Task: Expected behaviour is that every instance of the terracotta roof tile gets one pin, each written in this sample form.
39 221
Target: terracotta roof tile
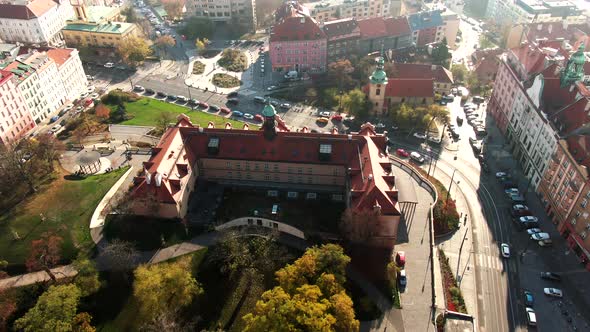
33 9
418 87
297 28
60 55
384 27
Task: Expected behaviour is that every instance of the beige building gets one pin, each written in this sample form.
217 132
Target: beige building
323 11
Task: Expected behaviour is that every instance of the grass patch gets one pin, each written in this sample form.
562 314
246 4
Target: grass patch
225 81
198 68
67 206
233 60
145 112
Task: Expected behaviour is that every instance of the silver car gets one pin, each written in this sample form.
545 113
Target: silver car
540 236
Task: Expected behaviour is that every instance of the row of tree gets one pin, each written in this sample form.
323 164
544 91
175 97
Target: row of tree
406 116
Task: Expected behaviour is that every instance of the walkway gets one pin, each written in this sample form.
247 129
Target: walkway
36 277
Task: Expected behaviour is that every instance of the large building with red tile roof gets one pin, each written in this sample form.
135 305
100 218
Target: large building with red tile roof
15 120
34 21
353 168
71 71
297 42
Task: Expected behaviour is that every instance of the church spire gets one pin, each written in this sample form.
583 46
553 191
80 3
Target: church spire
574 69
379 76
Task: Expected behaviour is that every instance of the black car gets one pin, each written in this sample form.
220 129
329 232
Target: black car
232 94
233 101
161 94
550 276
149 91
172 97
213 108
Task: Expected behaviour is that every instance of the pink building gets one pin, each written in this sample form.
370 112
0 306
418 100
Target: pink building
15 120
297 42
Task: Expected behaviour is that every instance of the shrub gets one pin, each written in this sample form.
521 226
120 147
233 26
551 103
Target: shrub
233 60
225 81
198 68
119 97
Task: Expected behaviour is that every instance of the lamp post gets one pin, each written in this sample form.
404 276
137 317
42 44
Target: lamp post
451 186
190 98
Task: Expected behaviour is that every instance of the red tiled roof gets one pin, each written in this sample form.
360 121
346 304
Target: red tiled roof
363 153
341 27
379 27
297 28
579 148
35 8
60 55
417 87
4 76
422 71
530 57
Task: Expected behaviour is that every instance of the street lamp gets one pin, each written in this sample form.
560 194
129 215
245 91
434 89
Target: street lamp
451 186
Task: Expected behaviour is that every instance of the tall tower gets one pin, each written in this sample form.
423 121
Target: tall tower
79 10
377 87
574 69
269 125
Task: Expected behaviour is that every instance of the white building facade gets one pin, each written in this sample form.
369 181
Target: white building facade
538 11
71 71
15 120
241 12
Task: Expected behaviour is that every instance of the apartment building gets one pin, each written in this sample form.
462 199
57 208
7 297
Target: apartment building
71 72
241 12
34 21
507 12
15 120
323 11
427 27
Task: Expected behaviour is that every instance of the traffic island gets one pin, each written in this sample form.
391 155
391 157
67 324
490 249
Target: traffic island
233 60
198 68
445 215
453 296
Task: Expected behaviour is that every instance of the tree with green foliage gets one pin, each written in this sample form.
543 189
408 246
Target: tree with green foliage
441 54
310 296
133 50
55 310
329 98
164 120
201 44
87 278
339 72
460 73
164 288
130 15
162 43
355 103
197 27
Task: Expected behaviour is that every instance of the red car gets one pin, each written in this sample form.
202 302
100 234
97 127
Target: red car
258 117
88 102
337 117
204 105
225 110
402 153
400 259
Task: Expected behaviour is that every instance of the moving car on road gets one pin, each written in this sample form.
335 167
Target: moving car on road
533 231
529 300
505 250
540 236
550 276
531 317
109 65
553 292
400 259
417 157
402 153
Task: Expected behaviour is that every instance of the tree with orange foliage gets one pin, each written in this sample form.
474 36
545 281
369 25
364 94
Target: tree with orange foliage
45 253
102 111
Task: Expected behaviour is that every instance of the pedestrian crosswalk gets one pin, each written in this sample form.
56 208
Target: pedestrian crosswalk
490 262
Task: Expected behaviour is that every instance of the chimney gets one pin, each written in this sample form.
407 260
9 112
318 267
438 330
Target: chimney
433 67
550 28
564 24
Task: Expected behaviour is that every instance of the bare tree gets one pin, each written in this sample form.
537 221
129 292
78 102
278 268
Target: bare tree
119 257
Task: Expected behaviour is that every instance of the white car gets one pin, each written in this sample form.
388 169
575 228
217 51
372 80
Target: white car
434 139
540 236
90 89
285 105
109 65
248 116
505 250
94 95
533 231
272 87
84 95
553 292
500 175
529 219
69 107
419 135
325 114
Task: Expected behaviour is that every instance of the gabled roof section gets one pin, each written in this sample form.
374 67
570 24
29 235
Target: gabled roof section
412 87
345 26
295 28
421 71
33 9
379 27
60 55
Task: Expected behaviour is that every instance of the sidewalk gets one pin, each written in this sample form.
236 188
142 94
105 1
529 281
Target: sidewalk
35 277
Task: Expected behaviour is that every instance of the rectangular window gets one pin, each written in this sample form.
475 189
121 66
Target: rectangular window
311 196
272 193
584 203
292 194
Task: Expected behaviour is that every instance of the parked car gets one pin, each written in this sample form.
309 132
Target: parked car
526 219
512 191
259 99
540 236
417 157
529 300
550 276
248 116
337 117
225 110
214 108
553 292
182 99
325 114
238 114
322 120
402 153
233 101
546 243
149 91
193 102
258 118
232 94
204 105
402 278
138 88
434 139
419 135
400 259
285 106
161 94
519 210
533 231
272 87
531 317
109 65
505 250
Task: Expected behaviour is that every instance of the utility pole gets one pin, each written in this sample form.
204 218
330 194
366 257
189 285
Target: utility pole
190 98
461 250
450 186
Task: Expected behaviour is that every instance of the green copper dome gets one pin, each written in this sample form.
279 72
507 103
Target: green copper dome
579 58
269 110
574 69
379 76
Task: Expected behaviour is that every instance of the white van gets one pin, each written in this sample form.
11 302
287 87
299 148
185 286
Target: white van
417 157
531 317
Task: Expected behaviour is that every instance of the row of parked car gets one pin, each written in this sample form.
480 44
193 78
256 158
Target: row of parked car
474 120
526 221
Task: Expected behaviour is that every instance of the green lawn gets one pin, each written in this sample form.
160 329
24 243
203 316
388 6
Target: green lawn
67 205
146 110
